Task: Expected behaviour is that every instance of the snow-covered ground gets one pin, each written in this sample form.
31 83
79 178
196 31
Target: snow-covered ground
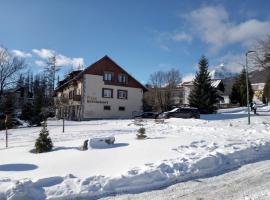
249 182
177 150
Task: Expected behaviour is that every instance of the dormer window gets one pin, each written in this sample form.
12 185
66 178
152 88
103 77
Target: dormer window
108 76
122 78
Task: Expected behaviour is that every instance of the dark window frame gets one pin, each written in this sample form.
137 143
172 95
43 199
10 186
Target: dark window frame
106 72
106 107
103 89
121 108
121 81
118 92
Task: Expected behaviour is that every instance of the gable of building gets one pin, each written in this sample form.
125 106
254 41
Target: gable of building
106 64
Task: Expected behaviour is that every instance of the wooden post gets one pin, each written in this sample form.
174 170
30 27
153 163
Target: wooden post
63 124
6 121
64 114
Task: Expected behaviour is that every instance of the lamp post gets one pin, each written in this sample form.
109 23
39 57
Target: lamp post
248 106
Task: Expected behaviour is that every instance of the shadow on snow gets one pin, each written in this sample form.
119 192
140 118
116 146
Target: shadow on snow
18 167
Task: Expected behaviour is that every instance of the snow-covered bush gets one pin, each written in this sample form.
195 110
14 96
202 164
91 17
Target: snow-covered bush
101 142
43 142
141 133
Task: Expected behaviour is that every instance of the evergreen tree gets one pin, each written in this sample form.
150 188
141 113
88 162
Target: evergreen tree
8 109
27 112
234 96
266 89
239 90
43 142
203 95
38 102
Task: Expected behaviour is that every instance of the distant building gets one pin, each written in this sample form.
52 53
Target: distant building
102 90
258 91
21 96
181 93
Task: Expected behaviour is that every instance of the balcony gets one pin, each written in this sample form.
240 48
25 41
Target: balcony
77 98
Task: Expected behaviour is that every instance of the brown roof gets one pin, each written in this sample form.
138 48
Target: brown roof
106 64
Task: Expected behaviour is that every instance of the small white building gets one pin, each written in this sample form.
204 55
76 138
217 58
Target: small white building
101 91
180 94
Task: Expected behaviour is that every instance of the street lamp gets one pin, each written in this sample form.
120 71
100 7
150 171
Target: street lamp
248 106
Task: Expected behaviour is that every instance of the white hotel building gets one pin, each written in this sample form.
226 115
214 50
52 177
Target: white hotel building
101 91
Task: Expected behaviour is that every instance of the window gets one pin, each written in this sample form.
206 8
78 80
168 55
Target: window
70 94
122 108
108 76
107 107
122 94
121 78
107 93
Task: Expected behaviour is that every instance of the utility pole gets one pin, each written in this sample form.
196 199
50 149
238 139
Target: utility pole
248 105
6 121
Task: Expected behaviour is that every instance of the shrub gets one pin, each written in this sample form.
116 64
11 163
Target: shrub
27 112
44 142
141 133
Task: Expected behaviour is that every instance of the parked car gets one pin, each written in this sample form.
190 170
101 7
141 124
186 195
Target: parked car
148 115
19 123
182 112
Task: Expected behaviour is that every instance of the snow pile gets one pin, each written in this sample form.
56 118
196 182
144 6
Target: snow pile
177 150
135 180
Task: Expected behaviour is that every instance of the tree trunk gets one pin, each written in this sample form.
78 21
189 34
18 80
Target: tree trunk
63 124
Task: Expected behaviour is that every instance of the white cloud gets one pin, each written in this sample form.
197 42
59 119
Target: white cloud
44 53
164 47
213 26
188 77
166 38
40 63
248 31
61 60
21 54
181 36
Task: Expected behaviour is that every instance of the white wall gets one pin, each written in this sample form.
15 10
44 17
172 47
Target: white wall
93 85
187 91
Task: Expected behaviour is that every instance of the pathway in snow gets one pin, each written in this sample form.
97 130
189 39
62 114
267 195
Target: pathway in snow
248 182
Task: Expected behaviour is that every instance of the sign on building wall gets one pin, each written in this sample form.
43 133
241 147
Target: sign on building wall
91 99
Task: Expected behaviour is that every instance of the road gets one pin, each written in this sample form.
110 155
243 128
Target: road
249 182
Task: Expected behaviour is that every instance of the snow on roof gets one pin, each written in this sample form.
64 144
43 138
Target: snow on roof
215 83
173 110
257 86
187 83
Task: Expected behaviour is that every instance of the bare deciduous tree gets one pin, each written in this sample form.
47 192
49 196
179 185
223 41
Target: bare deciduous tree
261 57
50 70
163 84
10 67
61 103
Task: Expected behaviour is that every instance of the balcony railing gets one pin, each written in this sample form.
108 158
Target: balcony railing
77 98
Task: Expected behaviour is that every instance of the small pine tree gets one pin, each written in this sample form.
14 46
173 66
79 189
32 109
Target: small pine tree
141 133
203 95
239 90
43 142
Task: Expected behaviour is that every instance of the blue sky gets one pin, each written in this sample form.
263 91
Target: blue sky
141 36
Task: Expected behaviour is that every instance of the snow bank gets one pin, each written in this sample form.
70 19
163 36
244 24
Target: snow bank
135 180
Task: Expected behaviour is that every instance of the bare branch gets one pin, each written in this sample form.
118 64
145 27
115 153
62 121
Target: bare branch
10 67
